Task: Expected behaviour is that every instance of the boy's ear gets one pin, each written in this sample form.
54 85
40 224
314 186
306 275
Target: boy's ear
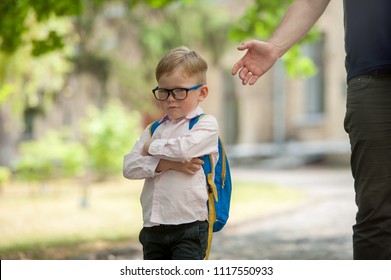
204 93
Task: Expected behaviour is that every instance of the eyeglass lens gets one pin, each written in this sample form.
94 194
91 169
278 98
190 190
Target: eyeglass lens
177 93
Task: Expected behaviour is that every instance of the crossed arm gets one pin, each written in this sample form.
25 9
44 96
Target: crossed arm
150 156
189 167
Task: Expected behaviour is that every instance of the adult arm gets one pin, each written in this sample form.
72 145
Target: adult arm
261 56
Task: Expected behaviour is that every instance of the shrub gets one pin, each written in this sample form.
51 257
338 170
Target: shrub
53 156
5 176
109 134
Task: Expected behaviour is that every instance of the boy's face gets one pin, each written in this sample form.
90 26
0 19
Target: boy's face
177 109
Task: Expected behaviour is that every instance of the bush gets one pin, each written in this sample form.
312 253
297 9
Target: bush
51 157
5 176
108 135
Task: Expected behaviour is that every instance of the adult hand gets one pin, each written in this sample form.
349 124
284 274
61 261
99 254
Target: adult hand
259 58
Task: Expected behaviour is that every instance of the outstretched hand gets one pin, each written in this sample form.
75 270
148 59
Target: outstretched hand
259 58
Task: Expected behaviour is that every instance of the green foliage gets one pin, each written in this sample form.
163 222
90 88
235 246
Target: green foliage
5 175
14 22
260 20
53 41
31 82
154 3
108 135
5 91
297 65
51 157
15 14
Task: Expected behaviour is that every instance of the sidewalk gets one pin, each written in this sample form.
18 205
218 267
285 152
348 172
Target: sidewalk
320 228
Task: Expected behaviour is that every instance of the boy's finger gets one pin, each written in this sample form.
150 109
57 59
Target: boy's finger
197 161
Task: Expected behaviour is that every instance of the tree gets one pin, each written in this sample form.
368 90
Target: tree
14 23
15 15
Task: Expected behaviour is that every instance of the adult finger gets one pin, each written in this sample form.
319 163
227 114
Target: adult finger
243 73
238 65
245 76
243 46
253 79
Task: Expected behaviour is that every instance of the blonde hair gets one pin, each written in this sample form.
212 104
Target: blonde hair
189 62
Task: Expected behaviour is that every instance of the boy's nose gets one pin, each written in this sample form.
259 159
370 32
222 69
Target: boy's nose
171 97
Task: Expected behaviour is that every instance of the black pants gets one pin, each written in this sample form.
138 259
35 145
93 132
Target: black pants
368 122
175 242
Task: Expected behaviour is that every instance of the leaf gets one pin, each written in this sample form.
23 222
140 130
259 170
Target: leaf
52 42
5 92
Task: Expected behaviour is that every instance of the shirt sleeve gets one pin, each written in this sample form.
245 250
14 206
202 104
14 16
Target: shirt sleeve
201 140
139 166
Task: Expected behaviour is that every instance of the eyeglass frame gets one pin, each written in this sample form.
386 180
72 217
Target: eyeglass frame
171 92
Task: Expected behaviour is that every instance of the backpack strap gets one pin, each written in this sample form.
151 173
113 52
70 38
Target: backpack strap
194 120
212 196
212 189
153 126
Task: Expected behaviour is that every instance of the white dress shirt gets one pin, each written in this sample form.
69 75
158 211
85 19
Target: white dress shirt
173 197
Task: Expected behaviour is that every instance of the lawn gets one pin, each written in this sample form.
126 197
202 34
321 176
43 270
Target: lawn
65 218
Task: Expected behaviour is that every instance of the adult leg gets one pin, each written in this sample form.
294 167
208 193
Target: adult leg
368 122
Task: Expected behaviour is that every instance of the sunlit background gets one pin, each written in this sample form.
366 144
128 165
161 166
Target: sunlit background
75 94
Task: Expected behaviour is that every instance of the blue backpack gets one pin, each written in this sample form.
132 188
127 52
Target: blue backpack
219 186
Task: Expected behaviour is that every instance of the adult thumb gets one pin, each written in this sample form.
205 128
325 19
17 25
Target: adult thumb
243 46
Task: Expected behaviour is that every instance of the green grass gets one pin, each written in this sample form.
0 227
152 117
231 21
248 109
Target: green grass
49 223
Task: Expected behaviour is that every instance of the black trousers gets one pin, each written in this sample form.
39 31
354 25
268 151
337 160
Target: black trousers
175 242
368 123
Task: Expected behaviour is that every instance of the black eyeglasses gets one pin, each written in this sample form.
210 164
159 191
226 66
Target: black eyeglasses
162 94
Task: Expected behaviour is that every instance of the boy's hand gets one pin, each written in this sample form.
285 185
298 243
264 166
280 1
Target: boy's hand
189 168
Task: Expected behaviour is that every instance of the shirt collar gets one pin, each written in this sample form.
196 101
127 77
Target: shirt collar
197 111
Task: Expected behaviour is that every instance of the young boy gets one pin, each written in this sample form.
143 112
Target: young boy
174 196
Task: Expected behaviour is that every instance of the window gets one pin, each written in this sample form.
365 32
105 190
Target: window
314 88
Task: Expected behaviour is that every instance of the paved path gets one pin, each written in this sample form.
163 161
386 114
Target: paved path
318 228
